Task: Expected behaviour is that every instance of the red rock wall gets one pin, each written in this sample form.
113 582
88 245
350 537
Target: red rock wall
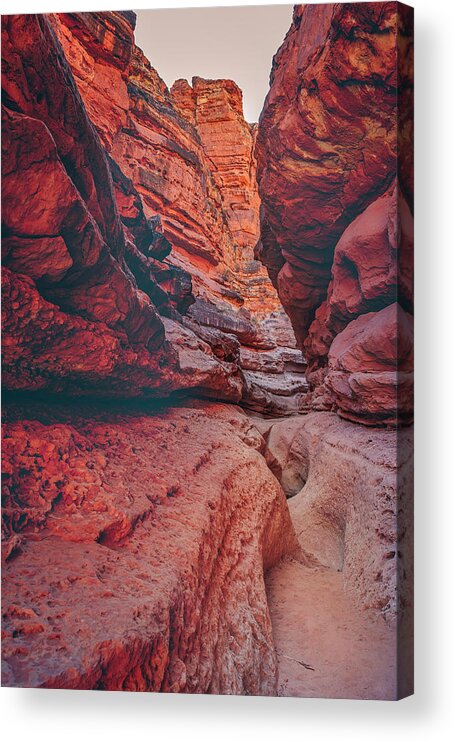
122 533
185 157
215 109
81 289
335 180
228 142
188 152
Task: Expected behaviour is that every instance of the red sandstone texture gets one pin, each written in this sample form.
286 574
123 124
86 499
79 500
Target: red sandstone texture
126 570
348 516
81 304
131 214
67 193
189 153
336 224
185 159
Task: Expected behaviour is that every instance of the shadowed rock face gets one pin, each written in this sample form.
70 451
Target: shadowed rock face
335 181
83 280
57 186
370 376
371 269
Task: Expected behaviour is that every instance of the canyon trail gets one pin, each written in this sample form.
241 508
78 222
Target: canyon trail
208 363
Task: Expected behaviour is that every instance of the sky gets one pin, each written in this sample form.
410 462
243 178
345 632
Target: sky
237 43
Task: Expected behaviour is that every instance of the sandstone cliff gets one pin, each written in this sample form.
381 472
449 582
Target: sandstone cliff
189 153
132 232
74 316
185 157
335 181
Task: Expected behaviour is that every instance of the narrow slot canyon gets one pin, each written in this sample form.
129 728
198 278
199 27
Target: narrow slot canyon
207 364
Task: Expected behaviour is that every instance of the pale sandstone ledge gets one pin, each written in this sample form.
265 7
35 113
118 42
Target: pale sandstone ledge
351 502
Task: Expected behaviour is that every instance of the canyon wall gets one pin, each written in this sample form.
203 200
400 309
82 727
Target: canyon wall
113 227
156 243
189 155
335 172
188 151
335 180
133 230
76 318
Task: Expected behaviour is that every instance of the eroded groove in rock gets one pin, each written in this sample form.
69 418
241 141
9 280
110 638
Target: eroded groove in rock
174 547
133 281
343 605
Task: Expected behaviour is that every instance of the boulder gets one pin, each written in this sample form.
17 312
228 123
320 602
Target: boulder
370 377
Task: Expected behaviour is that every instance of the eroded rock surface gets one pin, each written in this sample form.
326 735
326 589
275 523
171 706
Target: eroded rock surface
86 277
100 513
188 152
352 508
184 157
335 181
370 377
67 194
130 218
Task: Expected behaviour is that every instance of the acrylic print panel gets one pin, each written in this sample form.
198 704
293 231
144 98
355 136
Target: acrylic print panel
207 350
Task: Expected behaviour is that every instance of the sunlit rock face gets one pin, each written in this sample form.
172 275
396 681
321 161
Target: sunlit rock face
185 157
188 152
336 190
215 108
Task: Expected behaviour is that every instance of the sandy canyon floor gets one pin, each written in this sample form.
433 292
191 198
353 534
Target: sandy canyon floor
326 646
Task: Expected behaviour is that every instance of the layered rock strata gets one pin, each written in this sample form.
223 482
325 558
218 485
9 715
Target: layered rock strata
186 158
188 151
75 318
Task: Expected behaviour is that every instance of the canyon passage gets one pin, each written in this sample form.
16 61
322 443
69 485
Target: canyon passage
207 363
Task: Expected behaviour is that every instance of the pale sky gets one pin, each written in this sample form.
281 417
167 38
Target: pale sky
237 43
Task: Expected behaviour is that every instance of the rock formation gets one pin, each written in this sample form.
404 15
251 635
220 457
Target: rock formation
335 182
135 305
94 305
185 157
334 151
95 519
345 485
188 151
